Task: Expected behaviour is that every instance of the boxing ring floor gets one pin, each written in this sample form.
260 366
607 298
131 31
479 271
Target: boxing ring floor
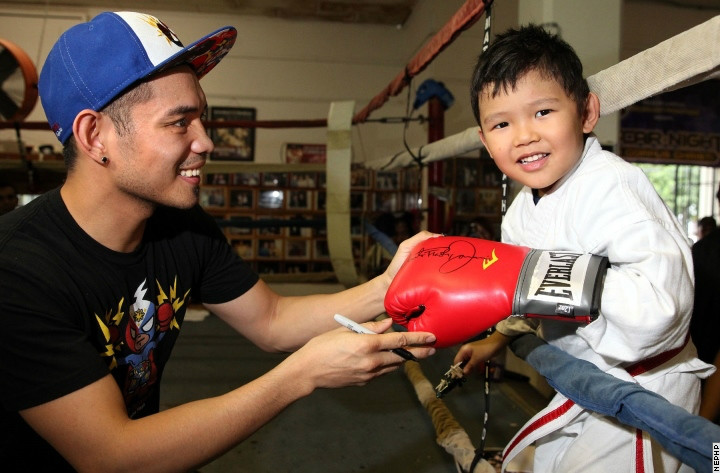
377 428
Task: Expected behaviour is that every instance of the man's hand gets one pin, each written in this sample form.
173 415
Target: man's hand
404 250
344 358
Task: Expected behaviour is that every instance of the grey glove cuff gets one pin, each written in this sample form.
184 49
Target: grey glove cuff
560 284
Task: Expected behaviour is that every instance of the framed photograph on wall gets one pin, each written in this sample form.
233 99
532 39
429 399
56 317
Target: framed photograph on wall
296 268
357 201
320 200
320 250
357 248
304 153
356 226
213 197
233 143
303 179
269 225
387 180
216 179
411 200
296 227
268 267
386 202
270 248
245 179
238 225
466 172
359 178
300 200
297 249
241 198
274 179
245 248
489 201
465 201
270 199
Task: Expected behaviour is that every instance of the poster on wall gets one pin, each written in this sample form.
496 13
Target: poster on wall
233 143
677 127
294 153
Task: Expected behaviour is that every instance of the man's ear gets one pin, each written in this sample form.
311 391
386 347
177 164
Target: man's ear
87 132
591 113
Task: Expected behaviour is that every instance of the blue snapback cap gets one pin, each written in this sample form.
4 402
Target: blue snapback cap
94 62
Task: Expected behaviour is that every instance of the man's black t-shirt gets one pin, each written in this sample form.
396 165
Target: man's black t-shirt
73 311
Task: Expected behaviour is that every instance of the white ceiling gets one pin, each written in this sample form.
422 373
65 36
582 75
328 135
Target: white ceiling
391 12
388 12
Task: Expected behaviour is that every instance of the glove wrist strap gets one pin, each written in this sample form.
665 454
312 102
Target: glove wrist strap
560 285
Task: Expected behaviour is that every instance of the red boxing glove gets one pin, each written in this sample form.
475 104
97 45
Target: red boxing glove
458 287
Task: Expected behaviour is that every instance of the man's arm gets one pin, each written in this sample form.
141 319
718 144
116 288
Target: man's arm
277 323
88 426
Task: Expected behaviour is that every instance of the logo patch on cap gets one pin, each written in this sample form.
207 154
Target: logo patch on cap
164 30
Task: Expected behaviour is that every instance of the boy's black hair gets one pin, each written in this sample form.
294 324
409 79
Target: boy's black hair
530 48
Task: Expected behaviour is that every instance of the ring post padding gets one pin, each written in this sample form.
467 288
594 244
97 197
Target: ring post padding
339 157
30 80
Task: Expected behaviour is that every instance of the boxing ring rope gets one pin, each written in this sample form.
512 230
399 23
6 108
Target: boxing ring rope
688 58
450 434
466 16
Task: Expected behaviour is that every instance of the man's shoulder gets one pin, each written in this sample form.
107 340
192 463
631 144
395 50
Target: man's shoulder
37 220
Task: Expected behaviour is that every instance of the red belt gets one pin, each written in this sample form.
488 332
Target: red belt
653 362
634 370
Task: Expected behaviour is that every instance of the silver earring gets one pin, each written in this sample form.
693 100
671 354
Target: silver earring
104 159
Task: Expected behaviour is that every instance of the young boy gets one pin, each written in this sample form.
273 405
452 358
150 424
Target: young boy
536 115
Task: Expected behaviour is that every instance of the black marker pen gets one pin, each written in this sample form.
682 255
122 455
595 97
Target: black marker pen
357 328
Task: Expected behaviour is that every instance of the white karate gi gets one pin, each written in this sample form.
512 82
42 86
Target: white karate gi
606 206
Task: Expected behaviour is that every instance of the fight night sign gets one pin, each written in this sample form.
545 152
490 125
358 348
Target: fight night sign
677 127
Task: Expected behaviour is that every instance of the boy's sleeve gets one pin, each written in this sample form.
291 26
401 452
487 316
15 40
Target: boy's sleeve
648 295
516 326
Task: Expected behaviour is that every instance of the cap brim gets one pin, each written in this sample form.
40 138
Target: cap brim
204 54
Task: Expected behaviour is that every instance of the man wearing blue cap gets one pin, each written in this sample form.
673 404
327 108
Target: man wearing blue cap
96 276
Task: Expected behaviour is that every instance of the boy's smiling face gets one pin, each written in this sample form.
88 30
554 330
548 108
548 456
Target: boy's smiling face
534 132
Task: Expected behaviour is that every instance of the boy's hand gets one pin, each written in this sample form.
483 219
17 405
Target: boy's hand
475 354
